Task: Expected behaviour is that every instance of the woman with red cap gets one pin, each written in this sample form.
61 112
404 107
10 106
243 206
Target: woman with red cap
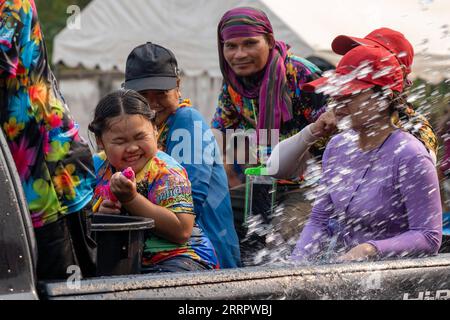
379 182
396 43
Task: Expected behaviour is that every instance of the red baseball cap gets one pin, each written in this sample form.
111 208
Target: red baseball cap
359 69
392 40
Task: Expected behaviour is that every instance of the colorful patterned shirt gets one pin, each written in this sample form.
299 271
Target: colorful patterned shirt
54 163
165 183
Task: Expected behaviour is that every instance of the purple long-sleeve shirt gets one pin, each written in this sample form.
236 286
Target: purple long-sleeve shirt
397 207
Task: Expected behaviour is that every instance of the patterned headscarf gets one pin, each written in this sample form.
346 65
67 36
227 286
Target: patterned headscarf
274 102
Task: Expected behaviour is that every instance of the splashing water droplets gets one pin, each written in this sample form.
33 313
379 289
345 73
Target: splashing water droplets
382 73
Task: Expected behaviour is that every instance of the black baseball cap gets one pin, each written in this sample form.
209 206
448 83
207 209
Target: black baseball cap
151 67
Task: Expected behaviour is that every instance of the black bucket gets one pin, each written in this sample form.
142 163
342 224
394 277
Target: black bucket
120 242
445 246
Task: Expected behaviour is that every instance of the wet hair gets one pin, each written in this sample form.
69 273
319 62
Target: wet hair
120 102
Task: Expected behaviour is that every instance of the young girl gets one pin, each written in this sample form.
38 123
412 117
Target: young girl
124 129
152 70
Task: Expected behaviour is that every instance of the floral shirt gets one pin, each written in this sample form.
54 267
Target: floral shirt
54 163
165 183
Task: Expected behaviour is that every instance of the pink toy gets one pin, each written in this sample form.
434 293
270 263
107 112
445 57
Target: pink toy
128 173
106 193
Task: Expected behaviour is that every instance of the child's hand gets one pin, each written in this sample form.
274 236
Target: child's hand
124 189
110 207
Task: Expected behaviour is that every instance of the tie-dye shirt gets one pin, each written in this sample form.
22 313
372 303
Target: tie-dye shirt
54 163
165 183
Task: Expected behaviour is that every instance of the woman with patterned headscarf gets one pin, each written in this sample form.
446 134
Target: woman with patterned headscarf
261 90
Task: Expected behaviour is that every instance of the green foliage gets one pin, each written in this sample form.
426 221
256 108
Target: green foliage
53 17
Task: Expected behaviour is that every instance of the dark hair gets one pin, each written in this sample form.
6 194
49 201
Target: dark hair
322 64
118 103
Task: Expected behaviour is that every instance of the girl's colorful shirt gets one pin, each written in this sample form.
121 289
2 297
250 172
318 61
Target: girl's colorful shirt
165 183
54 163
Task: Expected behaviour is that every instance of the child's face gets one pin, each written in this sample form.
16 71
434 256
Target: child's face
130 141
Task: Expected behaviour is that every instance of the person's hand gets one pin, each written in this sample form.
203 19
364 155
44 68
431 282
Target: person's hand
325 125
110 207
362 252
123 188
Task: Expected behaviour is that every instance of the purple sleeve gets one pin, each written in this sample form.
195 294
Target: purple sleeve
314 236
419 186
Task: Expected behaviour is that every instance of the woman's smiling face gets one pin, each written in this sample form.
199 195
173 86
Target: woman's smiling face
129 141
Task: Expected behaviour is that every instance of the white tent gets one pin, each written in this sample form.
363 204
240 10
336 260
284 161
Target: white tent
110 29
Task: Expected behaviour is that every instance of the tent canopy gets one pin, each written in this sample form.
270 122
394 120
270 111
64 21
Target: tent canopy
110 29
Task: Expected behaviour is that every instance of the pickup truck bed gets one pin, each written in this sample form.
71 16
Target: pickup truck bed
426 278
